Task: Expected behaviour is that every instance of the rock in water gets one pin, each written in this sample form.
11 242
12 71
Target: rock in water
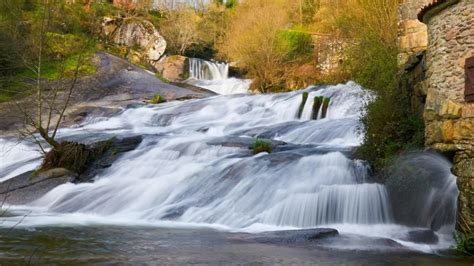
173 68
422 236
295 236
138 35
30 186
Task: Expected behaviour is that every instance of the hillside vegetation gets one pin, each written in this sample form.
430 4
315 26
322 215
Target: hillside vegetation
280 44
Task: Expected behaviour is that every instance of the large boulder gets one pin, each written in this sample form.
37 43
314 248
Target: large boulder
173 68
138 35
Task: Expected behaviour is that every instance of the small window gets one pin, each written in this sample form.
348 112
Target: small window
469 90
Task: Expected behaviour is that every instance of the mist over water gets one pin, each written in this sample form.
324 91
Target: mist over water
194 167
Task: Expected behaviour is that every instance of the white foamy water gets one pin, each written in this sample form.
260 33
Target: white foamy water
214 76
194 167
17 158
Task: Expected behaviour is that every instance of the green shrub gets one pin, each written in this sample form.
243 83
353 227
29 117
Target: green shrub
157 98
390 124
63 45
317 102
463 243
261 146
231 4
294 43
389 127
326 102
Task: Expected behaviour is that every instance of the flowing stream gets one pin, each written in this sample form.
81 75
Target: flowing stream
214 76
194 167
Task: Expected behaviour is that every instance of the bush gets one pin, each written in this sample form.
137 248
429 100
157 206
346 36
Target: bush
180 29
157 98
272 56
464 243
294 43
61 46
389 125
261 146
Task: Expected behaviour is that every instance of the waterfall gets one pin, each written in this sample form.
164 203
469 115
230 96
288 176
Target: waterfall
214 76
194 166
206 70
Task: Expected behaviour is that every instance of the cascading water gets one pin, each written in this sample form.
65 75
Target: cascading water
214 76
195 166
201 69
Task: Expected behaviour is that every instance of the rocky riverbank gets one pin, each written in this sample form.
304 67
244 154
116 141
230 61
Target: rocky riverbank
116 84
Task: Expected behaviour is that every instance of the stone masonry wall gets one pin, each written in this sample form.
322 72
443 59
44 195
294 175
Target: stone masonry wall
412 34
449 119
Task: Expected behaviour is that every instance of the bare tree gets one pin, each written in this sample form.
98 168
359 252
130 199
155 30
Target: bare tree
52 98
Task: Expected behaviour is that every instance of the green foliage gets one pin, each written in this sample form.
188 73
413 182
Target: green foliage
304 96
157 98
69 37
317 102
390 124
294 43
261 146
231 3
63 45
390 127
307 9
463 243
326 102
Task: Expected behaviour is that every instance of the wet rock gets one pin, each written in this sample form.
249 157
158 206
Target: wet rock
421 236
241 142
116 148
30 186
173 68
295 236
422 190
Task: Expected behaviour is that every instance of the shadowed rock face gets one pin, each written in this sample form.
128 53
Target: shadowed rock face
30 186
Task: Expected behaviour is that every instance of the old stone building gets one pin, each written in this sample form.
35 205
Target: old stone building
412 33
442 81
449 107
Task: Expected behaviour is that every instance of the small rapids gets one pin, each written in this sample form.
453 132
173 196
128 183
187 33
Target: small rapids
214 76
195 167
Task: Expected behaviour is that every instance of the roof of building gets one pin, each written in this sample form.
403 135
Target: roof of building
432 4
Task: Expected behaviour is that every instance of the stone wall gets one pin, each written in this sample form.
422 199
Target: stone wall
412 34
449 119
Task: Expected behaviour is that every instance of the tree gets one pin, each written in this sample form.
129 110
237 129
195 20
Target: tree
263 42
52 60
180 29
